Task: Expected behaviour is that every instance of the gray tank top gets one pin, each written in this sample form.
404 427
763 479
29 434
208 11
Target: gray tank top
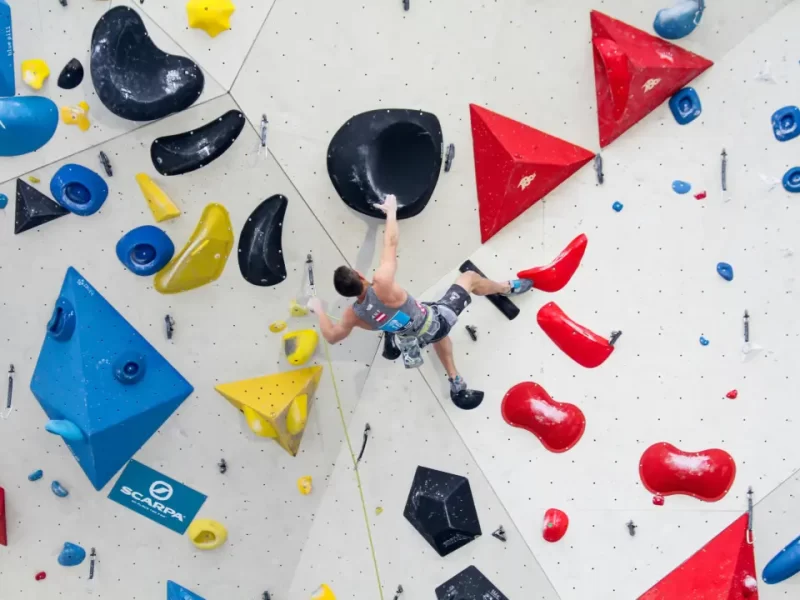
407 318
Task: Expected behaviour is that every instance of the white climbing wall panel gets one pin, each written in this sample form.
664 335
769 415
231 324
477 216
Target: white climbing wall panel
649 270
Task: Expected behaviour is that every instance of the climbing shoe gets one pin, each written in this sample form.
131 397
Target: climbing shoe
457 385
519 286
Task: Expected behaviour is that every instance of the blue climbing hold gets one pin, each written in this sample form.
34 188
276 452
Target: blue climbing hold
725 271
786 123
28 124
78 189
679 20
145 250
36 475
617 206
685 105
71 555
681 187
7 85
784 564
59 490
3 201
703 341
98 372
791 181
177 592
66 429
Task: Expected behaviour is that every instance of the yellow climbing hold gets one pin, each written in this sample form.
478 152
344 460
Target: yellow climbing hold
160 204
297 310
34 179
76 115
34 72
203 258
258 424
378 510
299 346
323 593
304 485
281 401
297 417
277 326
207 534
212 16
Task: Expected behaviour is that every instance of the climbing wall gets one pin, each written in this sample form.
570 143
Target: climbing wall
649 270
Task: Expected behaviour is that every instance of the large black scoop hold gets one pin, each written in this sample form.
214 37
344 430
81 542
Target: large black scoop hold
188 151
469 584
441 508
384 152
260 251
135 79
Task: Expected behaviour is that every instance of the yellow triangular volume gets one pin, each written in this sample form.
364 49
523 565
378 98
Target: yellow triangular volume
160 205
281 401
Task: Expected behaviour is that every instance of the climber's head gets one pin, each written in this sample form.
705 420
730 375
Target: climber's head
349 282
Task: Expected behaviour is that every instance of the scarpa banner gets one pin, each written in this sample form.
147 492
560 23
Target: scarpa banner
157 497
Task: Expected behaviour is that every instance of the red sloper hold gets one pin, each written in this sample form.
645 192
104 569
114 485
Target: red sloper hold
576 341
516 166
3 531
558 425
557 274
555 524
706 475
723 569
634 73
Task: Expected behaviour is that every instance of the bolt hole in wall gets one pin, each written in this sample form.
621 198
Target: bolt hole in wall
143 428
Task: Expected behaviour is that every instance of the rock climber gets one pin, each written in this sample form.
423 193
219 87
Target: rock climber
381 304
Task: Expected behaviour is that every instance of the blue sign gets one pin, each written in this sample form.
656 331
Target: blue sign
157 497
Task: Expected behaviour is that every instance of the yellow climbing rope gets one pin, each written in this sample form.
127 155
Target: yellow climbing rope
355 467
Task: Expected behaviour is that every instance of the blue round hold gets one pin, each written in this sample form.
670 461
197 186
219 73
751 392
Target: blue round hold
59 490
36 475
703 341
679 20
3 201
681 187
78 189
71 555
617 206
145 250
685 106
725 271
791 181
786 123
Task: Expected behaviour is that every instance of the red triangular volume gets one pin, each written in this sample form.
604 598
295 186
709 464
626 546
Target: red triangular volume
516 166
723 569
634 72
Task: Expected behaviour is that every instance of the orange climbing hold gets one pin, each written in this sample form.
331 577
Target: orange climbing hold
557 274
634 73
723 569
516 166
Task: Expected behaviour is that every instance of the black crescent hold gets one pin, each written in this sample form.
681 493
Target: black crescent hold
260 248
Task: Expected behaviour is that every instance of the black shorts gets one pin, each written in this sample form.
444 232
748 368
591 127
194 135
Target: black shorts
448 309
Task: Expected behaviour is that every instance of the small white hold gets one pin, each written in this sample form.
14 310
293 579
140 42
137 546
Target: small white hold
787 252
770 182
750 583
764 74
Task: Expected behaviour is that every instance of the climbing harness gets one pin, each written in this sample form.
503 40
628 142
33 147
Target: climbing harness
500 534
367 429
724 170
749 536
5 414
598 168
106 163
449 156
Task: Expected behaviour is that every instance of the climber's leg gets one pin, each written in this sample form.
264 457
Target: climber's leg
473 283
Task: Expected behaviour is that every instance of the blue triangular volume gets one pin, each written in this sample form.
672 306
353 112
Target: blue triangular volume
97 371
176 592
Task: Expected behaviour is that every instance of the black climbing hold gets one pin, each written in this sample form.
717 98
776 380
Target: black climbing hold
506 306
449 157
500 534
441 509
169 323
385 152
191 150
71 75
470 584
260 252
222 466
406 4
467 399
391 351
615 335
631 527
135 79
473 332
34 208
106 164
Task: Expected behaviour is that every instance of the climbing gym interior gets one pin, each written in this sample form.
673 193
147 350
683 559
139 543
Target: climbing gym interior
181 179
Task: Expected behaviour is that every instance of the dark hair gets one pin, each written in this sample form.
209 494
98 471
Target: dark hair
347 282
